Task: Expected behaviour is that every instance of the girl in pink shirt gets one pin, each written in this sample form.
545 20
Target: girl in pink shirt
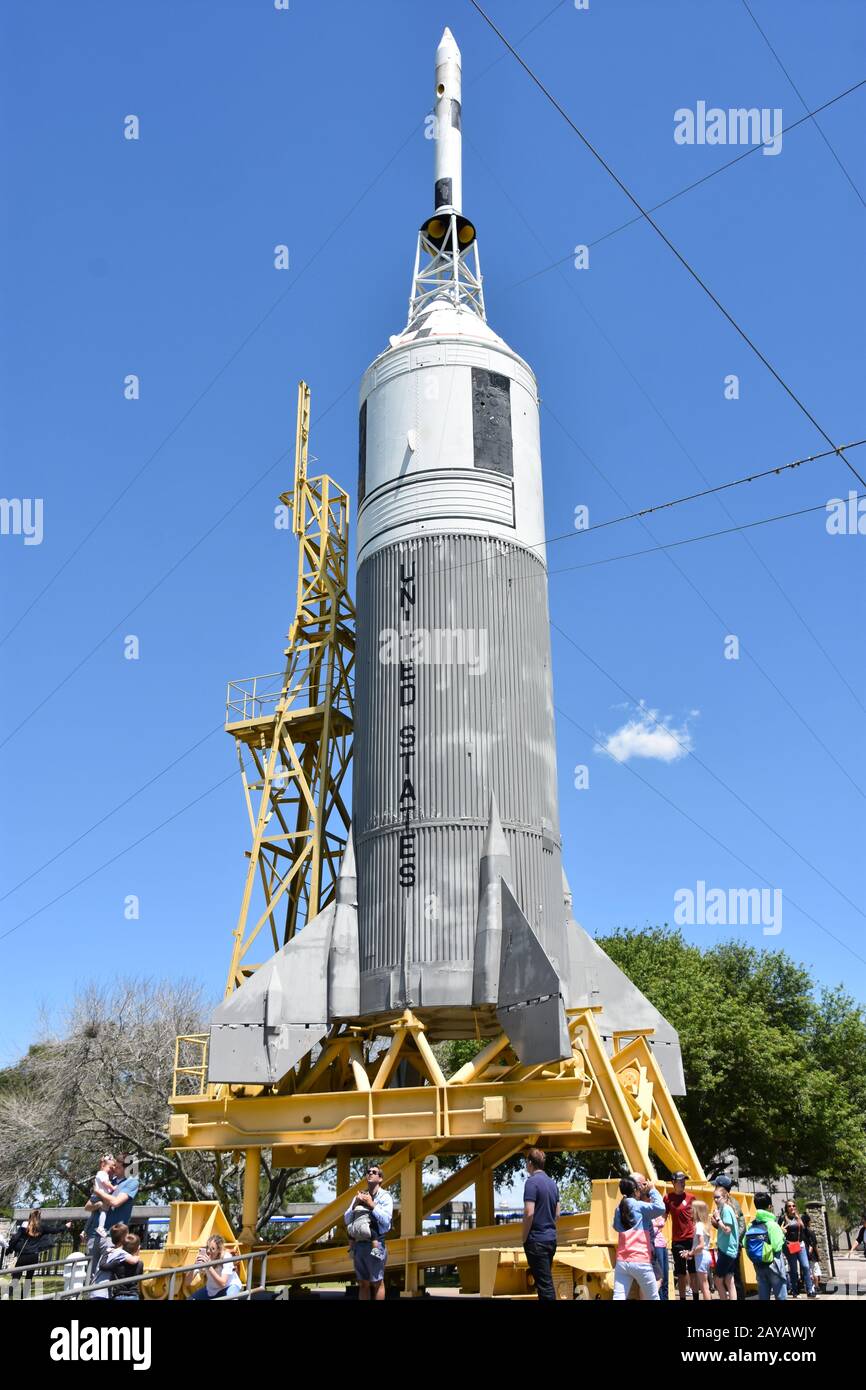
633 1222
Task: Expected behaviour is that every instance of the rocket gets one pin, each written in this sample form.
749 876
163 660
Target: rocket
451 899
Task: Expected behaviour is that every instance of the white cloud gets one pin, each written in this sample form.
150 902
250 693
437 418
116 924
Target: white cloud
649 735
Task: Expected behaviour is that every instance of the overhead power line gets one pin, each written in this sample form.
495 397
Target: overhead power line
667 241
113 812
704 831
705 536
690 752
120 853
164 576
234 355
103 517
707 492
598 526
811 114
141 839
729 164
781 588
643 512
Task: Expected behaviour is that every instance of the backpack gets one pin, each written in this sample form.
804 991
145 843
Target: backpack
757 1243
741 1220
362 1224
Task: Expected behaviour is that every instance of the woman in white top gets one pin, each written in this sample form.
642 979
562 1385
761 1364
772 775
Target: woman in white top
701 1248
221 1280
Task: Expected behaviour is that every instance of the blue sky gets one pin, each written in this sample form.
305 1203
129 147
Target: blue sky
155 257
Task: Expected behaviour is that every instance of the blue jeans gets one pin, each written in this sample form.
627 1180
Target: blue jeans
660 1257
771 1280
796 1264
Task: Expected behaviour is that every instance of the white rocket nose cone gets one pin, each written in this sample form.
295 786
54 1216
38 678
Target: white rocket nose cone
447 47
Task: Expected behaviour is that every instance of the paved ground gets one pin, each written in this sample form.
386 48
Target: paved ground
850 1280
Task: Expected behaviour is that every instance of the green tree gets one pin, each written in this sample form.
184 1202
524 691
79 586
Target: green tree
775 1068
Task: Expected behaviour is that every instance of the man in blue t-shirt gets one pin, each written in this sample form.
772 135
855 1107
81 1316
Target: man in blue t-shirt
540 1213
117 1206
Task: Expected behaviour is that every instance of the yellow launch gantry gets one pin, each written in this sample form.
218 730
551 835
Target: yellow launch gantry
355 1097
293 731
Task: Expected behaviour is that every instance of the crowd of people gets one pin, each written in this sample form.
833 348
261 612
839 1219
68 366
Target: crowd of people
704 1253
705 1240
706 1243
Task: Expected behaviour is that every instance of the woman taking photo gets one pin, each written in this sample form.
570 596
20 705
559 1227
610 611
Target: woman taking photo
221 1280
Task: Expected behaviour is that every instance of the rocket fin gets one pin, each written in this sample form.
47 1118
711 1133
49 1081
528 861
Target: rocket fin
495 866
530 1006
266 1027
344 973
593 978
278 1014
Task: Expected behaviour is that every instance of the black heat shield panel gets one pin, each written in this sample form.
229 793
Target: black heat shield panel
491 422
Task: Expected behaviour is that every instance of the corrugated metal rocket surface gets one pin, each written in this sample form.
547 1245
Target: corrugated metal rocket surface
462 910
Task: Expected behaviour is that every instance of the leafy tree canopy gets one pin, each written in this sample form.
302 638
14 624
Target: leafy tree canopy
775 1067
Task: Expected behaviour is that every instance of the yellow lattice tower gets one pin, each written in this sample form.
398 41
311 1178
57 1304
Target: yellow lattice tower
293 730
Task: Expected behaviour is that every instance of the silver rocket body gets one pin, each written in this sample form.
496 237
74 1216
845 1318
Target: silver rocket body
463 913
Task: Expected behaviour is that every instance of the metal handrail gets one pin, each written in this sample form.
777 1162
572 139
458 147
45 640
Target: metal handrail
252 696
153 1274
43 1264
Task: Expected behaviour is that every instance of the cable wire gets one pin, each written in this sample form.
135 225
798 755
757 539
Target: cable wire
670 245
803 102
704 831
114 858
642 708
729 164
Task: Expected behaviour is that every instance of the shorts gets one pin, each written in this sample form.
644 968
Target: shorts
725 1264
683 1259
369 1265
703 1263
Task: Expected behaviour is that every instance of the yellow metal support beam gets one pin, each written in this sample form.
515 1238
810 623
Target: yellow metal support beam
467 1115
491 1107
475 1171
665 1106
252 1175
410 1220
629 1140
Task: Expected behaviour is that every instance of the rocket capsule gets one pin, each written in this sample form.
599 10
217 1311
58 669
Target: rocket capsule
448 188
